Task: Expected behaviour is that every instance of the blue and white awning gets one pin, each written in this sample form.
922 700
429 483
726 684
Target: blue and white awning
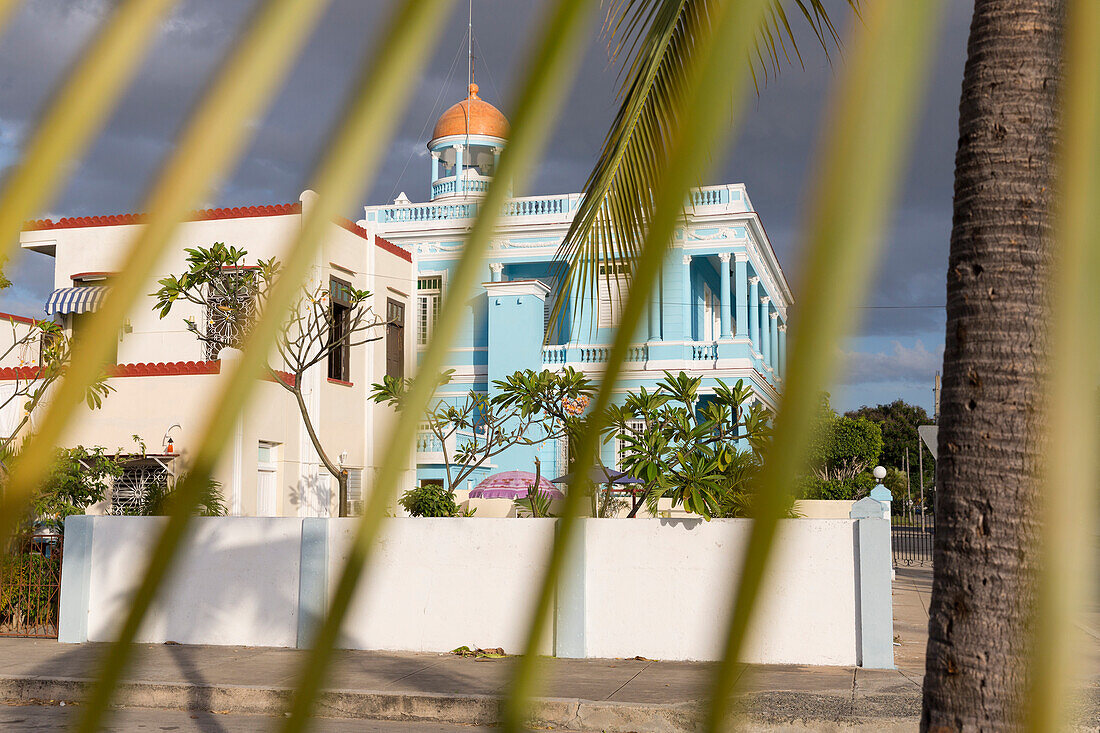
76 300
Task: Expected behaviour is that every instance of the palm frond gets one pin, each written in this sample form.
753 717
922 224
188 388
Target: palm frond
660 41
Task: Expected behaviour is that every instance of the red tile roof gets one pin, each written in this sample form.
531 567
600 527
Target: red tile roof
393 248
146 369
18 319
161 369
8 374
236 212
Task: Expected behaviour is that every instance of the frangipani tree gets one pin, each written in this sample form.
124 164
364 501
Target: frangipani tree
233 295
526 408
54 352
703 454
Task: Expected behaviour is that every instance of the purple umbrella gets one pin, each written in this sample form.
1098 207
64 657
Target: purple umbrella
512 485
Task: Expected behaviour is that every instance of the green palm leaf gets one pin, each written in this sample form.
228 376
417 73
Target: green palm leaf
660 38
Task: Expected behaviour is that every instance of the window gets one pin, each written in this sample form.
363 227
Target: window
562 467
339 334
636 427
395 339
612 287
230 309
267 479
130 490
79 324
552 282
355 492
712 319
429 290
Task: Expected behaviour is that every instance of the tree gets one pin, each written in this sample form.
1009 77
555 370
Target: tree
703 454
610 222
989 437
899 421
54 350
527 408
232 294
843 451
78 478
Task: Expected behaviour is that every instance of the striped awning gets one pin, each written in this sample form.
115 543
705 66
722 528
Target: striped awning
76 300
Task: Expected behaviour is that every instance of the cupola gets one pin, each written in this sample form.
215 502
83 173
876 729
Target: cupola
465 147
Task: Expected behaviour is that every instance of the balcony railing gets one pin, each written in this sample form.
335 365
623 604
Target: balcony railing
704 351
429 448
588 354
730 197
450 185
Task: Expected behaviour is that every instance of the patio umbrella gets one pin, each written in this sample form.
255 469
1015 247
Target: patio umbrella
512 485
620 479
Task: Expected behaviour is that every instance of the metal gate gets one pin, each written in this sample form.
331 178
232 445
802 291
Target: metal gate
911 539
30 588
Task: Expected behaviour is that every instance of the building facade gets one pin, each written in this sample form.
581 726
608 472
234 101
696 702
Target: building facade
166 380
720 310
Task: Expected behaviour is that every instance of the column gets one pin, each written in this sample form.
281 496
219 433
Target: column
495 268
765 331
754 312
654 313
435 172
686 302
774 341
724 293
741 272
782 366
460 182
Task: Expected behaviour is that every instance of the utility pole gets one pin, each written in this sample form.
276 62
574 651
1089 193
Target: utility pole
908 486
920 470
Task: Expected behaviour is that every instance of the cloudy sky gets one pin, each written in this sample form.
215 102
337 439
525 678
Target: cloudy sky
899 345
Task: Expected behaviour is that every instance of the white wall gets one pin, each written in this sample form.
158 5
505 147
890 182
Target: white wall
437 584
660 589
236 583
657 588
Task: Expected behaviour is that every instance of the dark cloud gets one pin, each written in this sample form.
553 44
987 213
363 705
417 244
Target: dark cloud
773 154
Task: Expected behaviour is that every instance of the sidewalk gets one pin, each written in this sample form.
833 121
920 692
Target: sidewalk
607 694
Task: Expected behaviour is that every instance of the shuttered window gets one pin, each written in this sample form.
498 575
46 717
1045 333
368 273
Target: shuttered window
395 338
612 290
429 290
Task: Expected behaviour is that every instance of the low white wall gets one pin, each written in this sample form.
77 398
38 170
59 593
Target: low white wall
824 508
235 583
661 589
437 584
657 588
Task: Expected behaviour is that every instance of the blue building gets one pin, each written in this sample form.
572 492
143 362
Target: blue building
720 310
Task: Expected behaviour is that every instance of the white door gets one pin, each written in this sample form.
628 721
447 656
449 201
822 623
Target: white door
265 493
266 481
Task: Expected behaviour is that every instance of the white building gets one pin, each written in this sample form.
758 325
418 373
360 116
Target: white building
165 382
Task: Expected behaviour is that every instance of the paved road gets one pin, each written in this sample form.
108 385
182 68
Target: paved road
21 718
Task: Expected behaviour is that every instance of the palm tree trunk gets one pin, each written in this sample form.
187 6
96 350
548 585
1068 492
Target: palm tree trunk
987 521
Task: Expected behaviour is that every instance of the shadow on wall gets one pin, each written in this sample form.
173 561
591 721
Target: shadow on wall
312 495
234 582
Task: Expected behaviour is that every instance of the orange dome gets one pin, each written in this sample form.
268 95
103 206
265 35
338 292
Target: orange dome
483 118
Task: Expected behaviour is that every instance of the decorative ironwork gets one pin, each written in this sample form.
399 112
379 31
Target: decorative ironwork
131 489
30 588
230 309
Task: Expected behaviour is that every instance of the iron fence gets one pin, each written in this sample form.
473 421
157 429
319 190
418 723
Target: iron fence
30 588
911 539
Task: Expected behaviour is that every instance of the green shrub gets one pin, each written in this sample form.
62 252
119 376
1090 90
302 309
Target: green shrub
430 500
